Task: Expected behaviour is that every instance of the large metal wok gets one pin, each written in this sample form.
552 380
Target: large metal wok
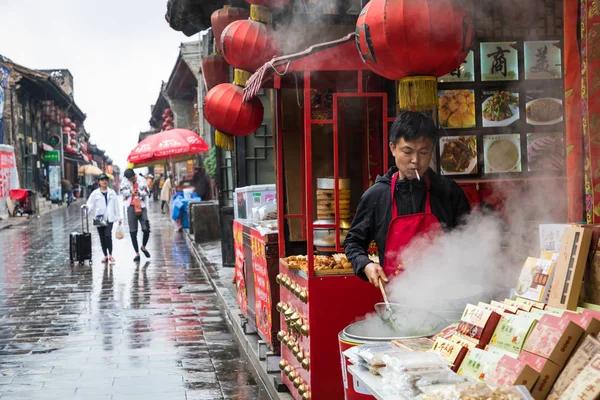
407 322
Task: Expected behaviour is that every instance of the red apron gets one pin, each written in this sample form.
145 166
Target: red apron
404 228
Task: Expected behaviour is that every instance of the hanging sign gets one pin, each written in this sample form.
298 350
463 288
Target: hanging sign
262 289
51 156
54 182
240 282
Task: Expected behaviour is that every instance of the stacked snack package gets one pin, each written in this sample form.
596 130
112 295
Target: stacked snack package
580 359
475 391
586 385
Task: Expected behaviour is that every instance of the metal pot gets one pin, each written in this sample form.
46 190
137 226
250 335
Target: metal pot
329 184
325 237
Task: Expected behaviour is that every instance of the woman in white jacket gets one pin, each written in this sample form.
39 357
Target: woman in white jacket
104 204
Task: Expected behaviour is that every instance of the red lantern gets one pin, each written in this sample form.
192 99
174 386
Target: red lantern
66 122
225 110
215 70
248 44
72 134
73 142
400 38
169 120
73 125
268 3
66 129
223 17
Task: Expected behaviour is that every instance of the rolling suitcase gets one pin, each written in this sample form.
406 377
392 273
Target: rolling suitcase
80 243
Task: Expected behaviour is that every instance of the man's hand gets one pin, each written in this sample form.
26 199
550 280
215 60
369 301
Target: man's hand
374 271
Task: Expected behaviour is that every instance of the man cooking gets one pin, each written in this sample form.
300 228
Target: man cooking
425 202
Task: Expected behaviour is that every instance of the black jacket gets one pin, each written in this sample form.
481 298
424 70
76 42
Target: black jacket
373 215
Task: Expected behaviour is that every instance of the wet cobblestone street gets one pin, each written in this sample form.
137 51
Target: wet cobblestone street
146 331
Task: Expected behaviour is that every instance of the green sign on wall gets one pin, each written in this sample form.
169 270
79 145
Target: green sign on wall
51 156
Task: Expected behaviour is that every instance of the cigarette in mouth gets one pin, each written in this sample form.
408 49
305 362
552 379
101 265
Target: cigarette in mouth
417 172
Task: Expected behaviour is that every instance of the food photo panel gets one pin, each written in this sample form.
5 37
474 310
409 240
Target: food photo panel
544 106
464 73
543 60
546 151
499 61
502 153
499 108
458 155
456 108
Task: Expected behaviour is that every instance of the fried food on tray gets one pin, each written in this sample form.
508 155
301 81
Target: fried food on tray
337 261
296 262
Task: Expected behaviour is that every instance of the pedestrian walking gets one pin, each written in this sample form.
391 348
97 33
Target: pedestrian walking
150 182
135 195
103 203
166 193
67 189
158 184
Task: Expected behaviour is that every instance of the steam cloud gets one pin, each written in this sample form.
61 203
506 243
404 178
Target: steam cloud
481 259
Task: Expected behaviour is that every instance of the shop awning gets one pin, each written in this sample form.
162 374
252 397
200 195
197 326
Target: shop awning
74 158
338 55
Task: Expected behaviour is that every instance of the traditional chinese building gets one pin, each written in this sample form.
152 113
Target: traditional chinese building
35 105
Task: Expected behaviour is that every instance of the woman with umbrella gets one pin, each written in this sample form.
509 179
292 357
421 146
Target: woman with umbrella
174 145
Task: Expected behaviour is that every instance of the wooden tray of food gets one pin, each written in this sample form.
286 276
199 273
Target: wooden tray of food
331 272
337 264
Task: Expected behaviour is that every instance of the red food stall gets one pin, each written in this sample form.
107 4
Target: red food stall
344 109
333 116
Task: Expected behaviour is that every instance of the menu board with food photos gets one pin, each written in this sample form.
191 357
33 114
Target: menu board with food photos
502 153
458 155
501 112
546 151
544 106
456 108
499 108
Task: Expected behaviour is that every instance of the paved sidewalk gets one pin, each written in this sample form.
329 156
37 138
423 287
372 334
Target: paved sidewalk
148 331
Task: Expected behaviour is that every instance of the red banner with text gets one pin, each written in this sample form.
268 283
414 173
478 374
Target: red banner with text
262 289
240 282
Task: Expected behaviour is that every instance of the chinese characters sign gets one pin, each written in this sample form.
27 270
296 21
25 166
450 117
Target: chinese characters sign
543 60
262 289
54 182
240 282
51 156
464 73
499 61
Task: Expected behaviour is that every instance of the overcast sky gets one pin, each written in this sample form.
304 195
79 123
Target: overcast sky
118 51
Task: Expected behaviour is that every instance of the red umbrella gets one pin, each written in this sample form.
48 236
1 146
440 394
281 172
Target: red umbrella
174 145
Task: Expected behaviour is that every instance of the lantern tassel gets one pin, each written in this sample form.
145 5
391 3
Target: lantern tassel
260 14
240 77
418 93
224 140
